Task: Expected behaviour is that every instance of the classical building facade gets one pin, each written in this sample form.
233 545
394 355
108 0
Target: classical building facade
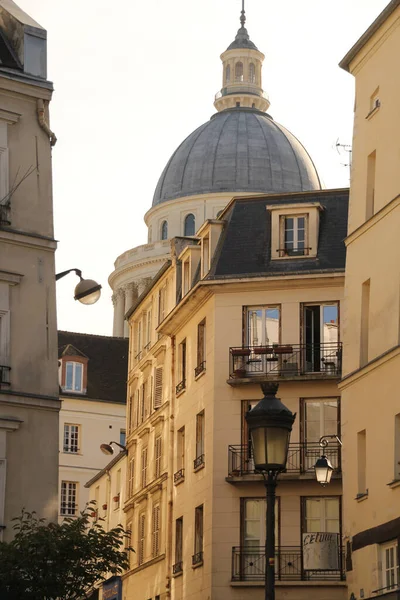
241 303
241 149
29 400
370 407
92 377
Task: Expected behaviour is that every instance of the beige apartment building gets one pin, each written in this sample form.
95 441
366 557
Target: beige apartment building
29 401
370 390
92 377
254 297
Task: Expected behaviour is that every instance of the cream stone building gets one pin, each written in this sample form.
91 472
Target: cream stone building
370 391
241 149
241 303
92 377
29 400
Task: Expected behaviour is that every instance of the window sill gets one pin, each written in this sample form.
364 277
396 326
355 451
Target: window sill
294 257
180 393
197 565
72 453
199 468
372 112
394 484
203 372
176 575
362 497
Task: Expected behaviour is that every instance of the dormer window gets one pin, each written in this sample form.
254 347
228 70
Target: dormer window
73 377
293 235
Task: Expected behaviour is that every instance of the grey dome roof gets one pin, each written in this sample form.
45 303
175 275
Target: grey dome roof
242 40
238 150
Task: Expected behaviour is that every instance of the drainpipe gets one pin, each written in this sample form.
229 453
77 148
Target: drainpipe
43 124
170 486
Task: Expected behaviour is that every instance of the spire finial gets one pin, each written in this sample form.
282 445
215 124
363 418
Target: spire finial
243 15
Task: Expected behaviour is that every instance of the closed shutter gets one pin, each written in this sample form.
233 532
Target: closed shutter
158 456
158 387
149 403
131 477
156 531
142 537
144 467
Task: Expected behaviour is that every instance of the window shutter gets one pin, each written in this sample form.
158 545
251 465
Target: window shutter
131 477
142 537
158 387
158 456
149 402
156 531
144 467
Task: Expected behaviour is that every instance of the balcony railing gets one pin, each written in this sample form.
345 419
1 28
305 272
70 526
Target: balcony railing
301 458
200 368
244 87
179 476
197 559
177 568
248 564
200 461
388 593
286 361
4 375
5 215
181 386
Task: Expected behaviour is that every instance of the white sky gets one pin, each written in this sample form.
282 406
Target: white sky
133 79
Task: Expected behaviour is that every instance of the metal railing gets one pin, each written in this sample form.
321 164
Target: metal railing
248 564
197 558
389 592
199 461
241 87
280 361
4 375
181 386
177 568
5 215
200 368
301 458
179 475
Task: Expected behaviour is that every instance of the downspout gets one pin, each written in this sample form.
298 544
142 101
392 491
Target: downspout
43 124
170 487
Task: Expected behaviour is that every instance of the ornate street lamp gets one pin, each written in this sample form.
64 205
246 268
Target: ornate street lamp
87 291
323 467
109 450
270 424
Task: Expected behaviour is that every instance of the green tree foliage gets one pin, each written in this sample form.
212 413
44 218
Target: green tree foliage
48 561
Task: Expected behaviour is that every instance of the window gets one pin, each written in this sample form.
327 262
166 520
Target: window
4 346
364 334
131 407
390 565
144 402
139 340
137 410
205 258
185 277
253 529
320 337
156 531
73 377
362 462
117 494
158 387
131 477
182 367
164 230
293 236
201 348
374 101
262 325
321 417
180 459
239 71
252 73
71 438
157 457
190 226
69 506
200 459
122 437
178 567
142 538
198 535
397 447
322 515
370 199
161 304
228 74
128 540
147 338
144 467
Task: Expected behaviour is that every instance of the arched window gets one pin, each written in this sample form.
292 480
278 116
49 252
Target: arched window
239 71
228 74
164 230
189 228
252 73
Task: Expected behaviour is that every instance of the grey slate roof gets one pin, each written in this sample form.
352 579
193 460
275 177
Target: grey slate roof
107 364
238 150
242 40
245 245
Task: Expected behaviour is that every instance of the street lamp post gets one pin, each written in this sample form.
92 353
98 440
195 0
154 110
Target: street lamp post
87 291
270 423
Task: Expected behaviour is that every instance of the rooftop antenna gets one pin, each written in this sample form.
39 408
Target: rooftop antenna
345 148
243 15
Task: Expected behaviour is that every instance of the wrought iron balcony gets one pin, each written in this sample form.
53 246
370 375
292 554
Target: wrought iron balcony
197 559
4 375
177 568
388 593
200 368
248 564
198 462
181 386
179 476
301 459
285 361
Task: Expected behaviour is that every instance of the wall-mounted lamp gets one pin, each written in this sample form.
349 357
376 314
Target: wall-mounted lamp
87 291
109 450
323 467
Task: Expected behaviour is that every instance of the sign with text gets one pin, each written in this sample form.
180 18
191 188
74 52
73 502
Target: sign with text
321 551
112 589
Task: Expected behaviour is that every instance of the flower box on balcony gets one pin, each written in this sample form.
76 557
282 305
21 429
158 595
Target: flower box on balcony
283 349
263 350
240 373
241 351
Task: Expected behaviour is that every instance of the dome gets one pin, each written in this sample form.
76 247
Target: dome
242 40
238 150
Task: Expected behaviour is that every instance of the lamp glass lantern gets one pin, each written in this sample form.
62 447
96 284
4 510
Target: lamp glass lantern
323 470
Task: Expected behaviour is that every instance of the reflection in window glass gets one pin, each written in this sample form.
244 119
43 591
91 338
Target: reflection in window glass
322 515
263 326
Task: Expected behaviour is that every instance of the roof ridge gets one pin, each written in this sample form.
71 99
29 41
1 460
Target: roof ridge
110 337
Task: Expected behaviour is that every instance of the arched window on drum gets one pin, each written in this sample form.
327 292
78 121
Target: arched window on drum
190 225
164 230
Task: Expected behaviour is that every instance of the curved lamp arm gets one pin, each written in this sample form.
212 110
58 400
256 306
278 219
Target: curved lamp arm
323 442
64 273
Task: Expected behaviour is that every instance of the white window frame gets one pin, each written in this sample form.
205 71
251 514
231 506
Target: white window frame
200 434
69 496
389 565
68 435
74 365
158 456
323 517
296 250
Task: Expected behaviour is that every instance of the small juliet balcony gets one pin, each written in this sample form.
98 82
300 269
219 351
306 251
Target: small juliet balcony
283 362
300 462
4 376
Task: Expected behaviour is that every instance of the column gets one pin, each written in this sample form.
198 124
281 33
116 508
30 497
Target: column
119 313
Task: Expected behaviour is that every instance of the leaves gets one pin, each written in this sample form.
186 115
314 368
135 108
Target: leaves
60 561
